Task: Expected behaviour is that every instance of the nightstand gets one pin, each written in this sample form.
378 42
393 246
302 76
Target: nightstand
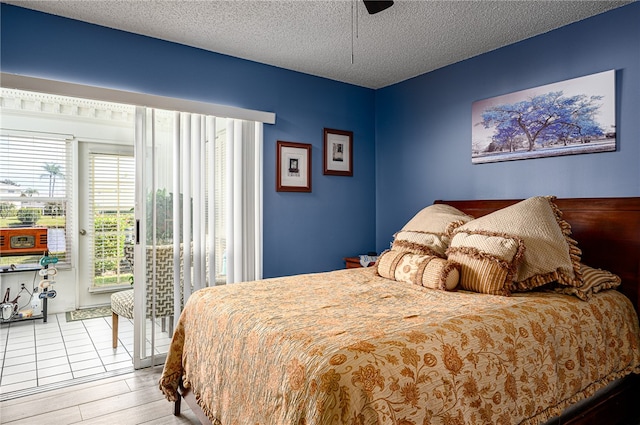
354 262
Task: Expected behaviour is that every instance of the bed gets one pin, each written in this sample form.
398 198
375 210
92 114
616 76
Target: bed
354 347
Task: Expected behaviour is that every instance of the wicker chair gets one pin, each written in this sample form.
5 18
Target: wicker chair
122 302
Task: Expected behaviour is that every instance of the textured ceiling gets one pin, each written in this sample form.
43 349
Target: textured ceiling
316 37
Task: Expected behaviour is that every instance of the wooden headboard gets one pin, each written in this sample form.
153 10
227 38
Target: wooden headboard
607 231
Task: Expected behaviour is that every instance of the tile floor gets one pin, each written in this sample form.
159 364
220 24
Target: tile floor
35 355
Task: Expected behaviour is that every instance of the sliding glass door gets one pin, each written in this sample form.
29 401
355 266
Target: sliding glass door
197 208
153 256
181 220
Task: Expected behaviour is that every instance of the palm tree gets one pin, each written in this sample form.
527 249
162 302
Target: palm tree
29 192
53 171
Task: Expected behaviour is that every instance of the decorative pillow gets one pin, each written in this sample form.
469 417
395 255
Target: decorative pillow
429 231
593 281
488 260
551 255
423 270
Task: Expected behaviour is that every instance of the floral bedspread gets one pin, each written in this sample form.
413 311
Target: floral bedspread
350 347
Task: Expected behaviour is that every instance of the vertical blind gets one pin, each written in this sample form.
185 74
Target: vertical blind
214 166
212 169
244 201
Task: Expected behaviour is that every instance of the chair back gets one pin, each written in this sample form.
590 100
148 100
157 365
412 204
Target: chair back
164 276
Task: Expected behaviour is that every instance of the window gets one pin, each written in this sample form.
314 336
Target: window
112 200
35 197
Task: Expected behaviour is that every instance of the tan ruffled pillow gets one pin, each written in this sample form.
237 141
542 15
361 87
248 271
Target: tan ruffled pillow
593 281
550 255
488 260
423 270
429 231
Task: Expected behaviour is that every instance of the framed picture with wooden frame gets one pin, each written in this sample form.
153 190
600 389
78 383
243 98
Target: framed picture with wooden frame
338 152
293 167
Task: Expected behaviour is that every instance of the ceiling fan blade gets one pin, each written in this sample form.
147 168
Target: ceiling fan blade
377 6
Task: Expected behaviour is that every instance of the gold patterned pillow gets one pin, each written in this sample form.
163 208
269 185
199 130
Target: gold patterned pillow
429 231
551 255
593 281
423 270
488 260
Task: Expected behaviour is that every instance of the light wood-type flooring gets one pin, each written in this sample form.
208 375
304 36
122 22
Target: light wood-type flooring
128 399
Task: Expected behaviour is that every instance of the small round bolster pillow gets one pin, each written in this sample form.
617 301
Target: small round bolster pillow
423 270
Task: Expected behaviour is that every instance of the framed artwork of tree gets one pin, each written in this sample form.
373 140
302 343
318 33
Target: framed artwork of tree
570 117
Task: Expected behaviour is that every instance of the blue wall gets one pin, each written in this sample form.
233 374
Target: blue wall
423 125
412 140
303 232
